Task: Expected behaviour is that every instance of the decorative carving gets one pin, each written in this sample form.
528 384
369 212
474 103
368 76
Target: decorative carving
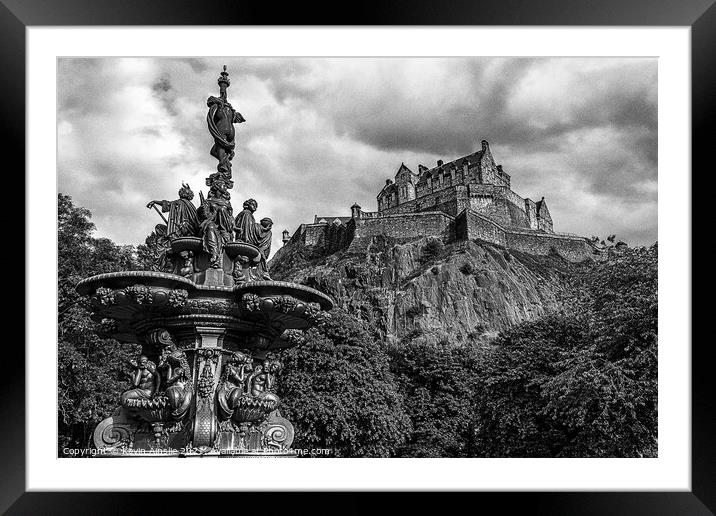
244 397
186 263
311 312
145 382
140 295
251 302
161 393
176 376
212 306
177 297
104 296
159 246
205 418
113 432
277 432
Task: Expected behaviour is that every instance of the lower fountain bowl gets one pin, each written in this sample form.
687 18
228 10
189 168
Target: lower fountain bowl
253 410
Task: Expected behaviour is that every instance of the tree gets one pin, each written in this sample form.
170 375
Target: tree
437 382
91 370
337 389
582 383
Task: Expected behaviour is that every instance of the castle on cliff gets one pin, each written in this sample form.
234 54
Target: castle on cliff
467 198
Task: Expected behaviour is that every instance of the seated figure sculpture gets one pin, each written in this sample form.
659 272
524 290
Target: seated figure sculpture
145 381
245 390
160 393
258 234
183 219
232 385
263 379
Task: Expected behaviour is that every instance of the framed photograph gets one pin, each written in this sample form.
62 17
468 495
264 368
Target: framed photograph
426 251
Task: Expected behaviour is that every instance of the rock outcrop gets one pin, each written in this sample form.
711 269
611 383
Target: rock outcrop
429 290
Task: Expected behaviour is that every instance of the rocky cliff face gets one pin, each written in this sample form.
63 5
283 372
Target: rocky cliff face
424 289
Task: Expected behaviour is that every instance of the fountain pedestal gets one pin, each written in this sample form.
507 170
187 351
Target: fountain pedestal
208 356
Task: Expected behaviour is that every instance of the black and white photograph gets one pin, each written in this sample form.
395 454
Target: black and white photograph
357 257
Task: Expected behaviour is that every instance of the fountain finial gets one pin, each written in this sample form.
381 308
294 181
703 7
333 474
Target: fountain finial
221 119
224 82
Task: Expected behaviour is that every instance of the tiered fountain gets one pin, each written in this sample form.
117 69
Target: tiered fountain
208 319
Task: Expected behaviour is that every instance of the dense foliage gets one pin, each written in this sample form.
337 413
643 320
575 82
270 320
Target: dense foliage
339 392
583 383
579 383
437 383
92 371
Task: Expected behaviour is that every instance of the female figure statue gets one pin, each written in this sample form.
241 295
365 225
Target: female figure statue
216 217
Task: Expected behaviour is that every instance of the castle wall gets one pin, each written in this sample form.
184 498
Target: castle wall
413 225
329 237
449 200
499 203
314 234
453 176
544 222
531 210
573 249
470 225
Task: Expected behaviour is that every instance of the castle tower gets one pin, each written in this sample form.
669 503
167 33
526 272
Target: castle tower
405 181
544 219
488 169
355 211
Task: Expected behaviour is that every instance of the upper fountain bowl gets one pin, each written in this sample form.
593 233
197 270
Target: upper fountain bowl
234 249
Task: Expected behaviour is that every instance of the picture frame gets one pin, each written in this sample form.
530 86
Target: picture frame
700 15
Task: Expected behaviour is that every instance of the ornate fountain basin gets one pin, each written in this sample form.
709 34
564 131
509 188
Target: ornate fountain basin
235 249
253 410
151 411
283 288
187 243
281 305
129 304
120 280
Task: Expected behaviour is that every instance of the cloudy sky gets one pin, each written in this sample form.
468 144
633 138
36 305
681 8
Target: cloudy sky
321 134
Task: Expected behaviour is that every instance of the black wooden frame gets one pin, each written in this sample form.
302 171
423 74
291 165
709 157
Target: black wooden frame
700 15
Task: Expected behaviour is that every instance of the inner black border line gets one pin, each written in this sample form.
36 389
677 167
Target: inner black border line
17 15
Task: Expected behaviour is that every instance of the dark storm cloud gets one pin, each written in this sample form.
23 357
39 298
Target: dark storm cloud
324 133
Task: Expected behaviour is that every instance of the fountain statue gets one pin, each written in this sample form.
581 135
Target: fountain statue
210 322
